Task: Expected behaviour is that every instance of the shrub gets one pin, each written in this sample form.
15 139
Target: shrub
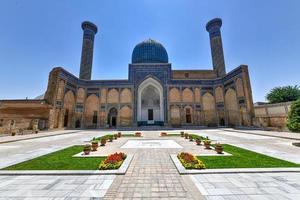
113 161
293 122
190 161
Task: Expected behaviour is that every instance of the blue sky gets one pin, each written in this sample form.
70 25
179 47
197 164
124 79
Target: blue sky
36 36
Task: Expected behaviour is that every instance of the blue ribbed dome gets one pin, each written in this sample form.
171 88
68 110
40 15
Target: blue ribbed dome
149 51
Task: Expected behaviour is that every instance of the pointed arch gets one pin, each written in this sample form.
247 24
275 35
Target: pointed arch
231 106
125 116
174 95
113 96
155 101
69 109
188 115
209 111
187 95
125 96
91 111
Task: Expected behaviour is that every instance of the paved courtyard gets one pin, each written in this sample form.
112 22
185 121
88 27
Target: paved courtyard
151 174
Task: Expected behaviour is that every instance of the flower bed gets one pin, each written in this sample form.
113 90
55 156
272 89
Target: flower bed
113 161
190 161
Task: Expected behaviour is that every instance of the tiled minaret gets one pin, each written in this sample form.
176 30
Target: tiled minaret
213 27
89 31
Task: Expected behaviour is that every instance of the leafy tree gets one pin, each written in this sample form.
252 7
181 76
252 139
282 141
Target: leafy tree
283 94
293 122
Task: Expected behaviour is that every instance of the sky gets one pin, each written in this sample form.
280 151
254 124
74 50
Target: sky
36 36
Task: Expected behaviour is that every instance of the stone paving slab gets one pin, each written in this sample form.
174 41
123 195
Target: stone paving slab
152 175
54 187
249 186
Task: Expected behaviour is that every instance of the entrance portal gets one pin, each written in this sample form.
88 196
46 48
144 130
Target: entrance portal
150 103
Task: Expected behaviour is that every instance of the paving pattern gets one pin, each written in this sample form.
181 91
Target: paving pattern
54 187
151 175
249 186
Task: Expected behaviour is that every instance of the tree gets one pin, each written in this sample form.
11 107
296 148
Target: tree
293 122
283 94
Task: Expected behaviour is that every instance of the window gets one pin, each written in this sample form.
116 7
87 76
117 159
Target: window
186 75
95 116
150 114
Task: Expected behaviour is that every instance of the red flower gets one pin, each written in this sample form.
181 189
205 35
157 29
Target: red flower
114 158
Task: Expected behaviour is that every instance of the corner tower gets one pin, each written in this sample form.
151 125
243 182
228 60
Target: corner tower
213 27
89 31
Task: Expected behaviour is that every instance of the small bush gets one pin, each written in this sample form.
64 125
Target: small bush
293 122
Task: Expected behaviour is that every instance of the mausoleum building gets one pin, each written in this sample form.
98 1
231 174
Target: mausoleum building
153 94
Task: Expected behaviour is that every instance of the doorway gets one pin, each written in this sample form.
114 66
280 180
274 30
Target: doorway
150 114
112 117
66 118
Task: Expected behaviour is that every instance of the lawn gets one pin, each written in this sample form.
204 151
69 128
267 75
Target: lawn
242 158
60 160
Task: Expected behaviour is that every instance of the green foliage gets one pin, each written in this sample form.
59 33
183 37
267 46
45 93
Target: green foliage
283 94
60 160
242 158
293 122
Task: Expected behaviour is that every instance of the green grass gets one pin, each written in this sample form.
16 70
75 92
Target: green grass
60 160
129 135
242 158
194 136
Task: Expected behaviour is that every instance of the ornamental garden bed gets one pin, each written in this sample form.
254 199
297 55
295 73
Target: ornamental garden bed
240 158
64 160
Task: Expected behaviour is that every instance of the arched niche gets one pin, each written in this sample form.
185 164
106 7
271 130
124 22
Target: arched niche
187 95
150 106
91 111
209 109
174 95
231 106
69 109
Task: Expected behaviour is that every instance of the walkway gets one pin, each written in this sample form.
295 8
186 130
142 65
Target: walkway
152 175
251 186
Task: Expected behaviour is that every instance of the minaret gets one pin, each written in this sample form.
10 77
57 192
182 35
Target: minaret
213 27
89 31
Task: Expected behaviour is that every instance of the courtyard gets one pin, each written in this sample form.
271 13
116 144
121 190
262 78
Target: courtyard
151 172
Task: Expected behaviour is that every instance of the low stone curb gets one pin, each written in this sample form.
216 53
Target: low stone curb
184 171
121 171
